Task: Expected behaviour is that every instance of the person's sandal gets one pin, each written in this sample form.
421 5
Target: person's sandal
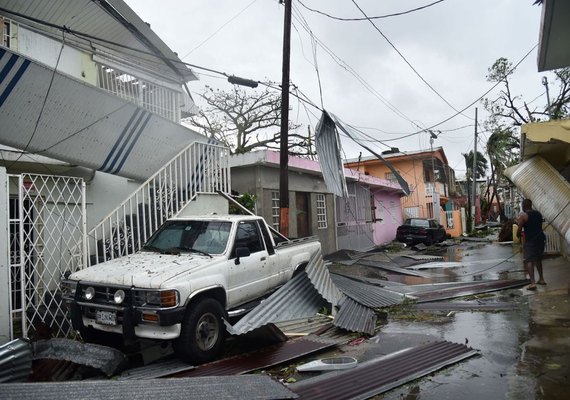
541 283
531 287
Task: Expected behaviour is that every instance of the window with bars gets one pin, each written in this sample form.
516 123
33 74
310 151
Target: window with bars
275 210
321 211
6 26
154 98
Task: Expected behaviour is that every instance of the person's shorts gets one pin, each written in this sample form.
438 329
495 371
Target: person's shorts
533 251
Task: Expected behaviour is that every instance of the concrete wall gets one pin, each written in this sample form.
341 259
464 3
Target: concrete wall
262 181
388 216
104 192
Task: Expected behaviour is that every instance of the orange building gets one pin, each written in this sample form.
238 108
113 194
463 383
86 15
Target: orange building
431 181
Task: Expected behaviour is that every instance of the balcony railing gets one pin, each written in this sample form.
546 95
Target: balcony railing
436 187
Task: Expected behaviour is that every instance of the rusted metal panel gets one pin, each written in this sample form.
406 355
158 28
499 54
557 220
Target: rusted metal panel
367 295
321 280
377 376
230 387
272 355
296 299
15 361
355 317
111 133
535 177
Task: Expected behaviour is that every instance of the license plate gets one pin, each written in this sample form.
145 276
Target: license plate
106 317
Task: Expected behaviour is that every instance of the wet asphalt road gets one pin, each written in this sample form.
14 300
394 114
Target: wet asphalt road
517 359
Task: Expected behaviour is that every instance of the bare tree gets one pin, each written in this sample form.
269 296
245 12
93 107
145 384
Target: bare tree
245 121
510 109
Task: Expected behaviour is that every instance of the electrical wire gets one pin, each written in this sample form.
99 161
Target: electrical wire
406 60
367 18
24 150
217 30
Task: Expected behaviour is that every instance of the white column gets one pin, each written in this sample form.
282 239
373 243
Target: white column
5 289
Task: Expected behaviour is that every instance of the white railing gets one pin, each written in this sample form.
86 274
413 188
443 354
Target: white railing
438 187
200 168
449 219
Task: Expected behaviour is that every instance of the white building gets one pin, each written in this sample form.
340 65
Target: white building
90 107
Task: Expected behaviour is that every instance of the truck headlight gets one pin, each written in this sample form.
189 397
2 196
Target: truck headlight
158 298
119 296
89 293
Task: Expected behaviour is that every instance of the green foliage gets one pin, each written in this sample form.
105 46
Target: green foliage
247 200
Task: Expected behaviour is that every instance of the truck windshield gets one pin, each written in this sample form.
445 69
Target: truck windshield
210 237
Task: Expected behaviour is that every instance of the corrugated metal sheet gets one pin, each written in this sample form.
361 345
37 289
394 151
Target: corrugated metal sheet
393 268
140 141
230 387
88 17
367 295
377 376
296 299
155 370
320 277
424 257
471 305
535 177
467 290
267 357
327 144
355 317
107 359
15 361
305 326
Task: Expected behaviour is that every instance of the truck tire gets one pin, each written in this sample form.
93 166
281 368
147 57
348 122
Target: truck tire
203 332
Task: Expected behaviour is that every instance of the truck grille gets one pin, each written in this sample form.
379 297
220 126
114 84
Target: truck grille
104 294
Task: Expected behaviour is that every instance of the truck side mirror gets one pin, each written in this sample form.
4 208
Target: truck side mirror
242 252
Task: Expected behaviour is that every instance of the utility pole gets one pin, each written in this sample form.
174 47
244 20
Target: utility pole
474 173
434 198
284 148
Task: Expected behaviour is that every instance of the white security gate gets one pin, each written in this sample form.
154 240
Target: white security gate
47 225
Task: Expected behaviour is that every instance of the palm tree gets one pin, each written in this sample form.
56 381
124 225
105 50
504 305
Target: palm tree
502 149
480 170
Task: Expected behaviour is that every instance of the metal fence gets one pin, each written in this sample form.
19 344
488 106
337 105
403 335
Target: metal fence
199 168
47 225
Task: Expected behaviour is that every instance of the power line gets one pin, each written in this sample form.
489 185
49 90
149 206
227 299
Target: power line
364 19
218 30
405 59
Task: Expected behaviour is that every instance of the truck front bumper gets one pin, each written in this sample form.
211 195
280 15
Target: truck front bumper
131 322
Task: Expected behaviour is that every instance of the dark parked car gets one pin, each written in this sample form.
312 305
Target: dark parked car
420 230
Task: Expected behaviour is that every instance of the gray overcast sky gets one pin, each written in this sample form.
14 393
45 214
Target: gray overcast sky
451 44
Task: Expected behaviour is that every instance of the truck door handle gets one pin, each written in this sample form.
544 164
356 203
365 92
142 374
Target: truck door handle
263 259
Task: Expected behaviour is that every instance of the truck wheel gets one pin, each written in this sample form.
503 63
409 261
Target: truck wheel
202 334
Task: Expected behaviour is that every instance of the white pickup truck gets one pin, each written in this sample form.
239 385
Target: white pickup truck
189 276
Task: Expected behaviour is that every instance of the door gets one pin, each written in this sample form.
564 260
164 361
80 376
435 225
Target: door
302 206
248 275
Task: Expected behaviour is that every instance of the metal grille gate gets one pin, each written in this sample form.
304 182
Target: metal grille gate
47 225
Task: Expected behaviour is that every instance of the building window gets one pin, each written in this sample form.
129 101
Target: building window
321 211
391 177
8 38
275 210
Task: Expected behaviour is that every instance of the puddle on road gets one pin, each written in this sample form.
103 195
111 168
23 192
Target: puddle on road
493 375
